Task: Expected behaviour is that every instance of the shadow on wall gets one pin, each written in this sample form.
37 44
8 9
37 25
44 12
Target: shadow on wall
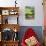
37 29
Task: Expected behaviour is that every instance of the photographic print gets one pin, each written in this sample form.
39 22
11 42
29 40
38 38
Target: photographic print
29 12
5 12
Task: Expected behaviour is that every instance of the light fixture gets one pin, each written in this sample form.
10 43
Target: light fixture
15 3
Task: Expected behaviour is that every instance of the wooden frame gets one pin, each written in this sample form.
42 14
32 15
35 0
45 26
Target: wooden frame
29 12
5 12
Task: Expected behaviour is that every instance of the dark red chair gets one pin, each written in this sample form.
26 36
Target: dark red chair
29 33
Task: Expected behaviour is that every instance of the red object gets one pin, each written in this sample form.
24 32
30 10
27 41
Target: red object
29 33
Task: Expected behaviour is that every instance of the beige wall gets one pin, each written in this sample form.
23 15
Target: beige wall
44 12
45 21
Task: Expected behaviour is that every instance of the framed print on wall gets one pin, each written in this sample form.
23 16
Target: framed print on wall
5 12
29 12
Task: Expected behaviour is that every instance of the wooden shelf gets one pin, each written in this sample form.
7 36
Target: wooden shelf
9 43
6 12
11 26
9 8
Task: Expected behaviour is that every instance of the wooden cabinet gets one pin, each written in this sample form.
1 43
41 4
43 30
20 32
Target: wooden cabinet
6 27
10 43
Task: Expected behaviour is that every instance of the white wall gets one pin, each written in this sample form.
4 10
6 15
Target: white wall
38 21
